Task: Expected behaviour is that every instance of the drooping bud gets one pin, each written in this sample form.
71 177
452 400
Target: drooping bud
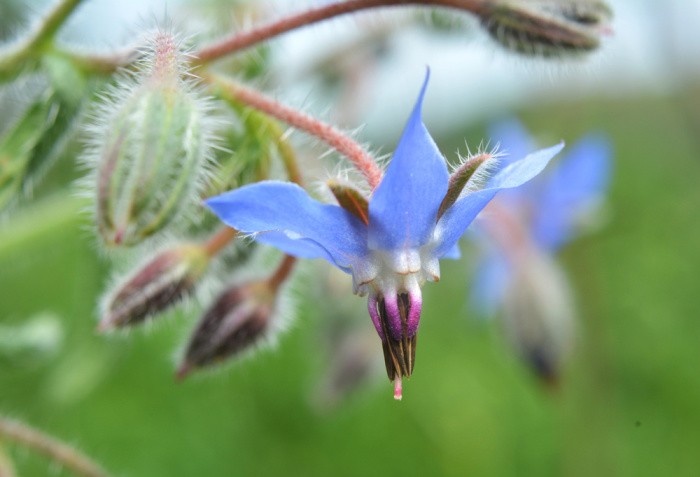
396 319
161 283
548 27
151 146
239 319
538 316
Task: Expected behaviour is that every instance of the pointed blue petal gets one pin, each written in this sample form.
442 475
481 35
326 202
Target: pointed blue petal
579 181
403 209
458 217
283 215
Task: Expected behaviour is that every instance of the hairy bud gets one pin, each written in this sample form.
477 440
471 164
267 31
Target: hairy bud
238 320
151 146
548 27
158 285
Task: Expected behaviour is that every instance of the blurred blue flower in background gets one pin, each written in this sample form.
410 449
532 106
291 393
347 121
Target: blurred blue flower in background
519 234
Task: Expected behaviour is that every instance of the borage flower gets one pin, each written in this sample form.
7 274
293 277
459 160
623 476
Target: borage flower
521 231
391 242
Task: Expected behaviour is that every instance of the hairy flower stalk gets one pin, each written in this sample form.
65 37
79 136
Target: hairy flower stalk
240 318
246 39
150 147
394 247
59 452
339 141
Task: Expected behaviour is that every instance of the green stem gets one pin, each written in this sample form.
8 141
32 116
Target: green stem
54 449
38 40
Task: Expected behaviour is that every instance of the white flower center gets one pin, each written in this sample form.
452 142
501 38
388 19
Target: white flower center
385 272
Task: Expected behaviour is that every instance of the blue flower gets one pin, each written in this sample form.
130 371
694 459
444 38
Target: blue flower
549 209
393 249
519 234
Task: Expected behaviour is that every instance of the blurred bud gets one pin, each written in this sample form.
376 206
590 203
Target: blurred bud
352 366
548 27
538 315
160 284
240 318
39 337
151 146
17 146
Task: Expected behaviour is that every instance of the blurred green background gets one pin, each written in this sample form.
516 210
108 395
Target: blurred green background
629 403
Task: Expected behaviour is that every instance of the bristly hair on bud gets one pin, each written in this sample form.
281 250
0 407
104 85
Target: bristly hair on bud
150 145
159 284
548 28
469 175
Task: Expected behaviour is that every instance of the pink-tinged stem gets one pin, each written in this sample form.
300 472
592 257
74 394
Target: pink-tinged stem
282 272
240 41
339 141
219 240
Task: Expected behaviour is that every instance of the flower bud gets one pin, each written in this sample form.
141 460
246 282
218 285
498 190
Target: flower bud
239 319
548 27
538 316
160 284
151 146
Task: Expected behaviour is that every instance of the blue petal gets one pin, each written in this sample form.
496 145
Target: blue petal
403 209
578 181
513 139
454 253
286 217
458 217
490 282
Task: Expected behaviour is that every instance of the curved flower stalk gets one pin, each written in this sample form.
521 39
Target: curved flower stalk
390 242
520 233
